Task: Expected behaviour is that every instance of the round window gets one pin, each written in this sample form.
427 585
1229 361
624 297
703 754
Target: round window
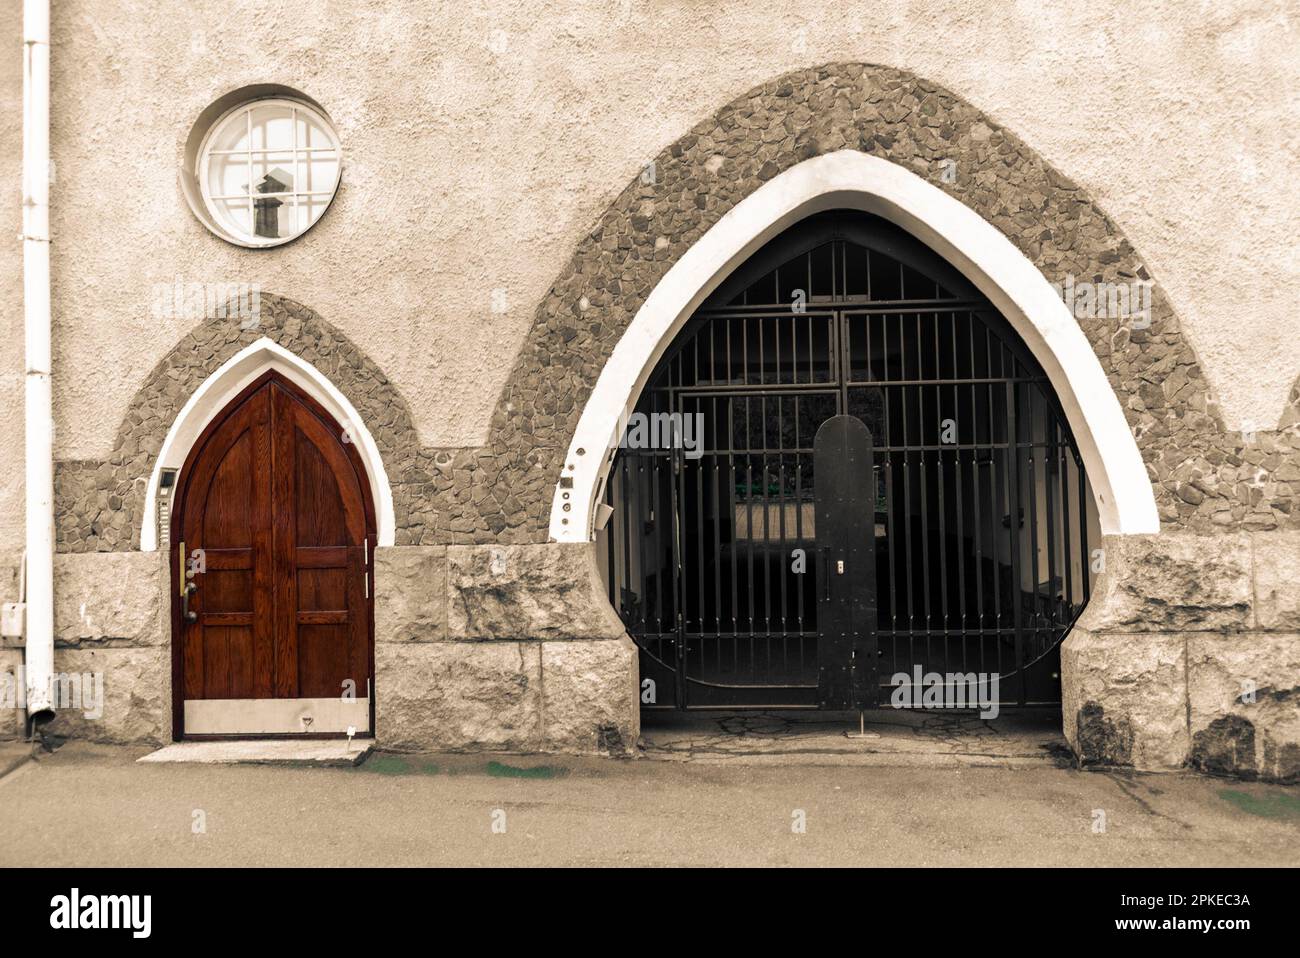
267 170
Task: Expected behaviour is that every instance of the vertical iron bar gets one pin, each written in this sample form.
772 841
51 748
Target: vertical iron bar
941 479
782 555
657 521
794 350
977 499
733 498
700 505
1083 528
959 490
1049 510
744 351
776 341
624 484
995 496
799 530
678 570
714 455
730 374
749 524
1067 555
925 492
1013 496
907 503
811 352
767 541
891 506
1032 476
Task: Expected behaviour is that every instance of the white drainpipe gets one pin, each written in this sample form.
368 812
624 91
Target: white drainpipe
36 315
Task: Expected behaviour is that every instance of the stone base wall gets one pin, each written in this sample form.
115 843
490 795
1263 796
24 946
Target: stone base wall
477 647
11 657
515 696
1189 654
112 618
511 648
11 719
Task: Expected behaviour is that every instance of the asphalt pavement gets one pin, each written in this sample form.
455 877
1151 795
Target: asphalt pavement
87 805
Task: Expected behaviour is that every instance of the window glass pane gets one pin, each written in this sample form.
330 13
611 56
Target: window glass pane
273 173
234 213
272 128
310 209
311 134
228 174
233 134
319 173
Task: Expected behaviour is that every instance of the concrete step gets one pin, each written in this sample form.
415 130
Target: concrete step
320 752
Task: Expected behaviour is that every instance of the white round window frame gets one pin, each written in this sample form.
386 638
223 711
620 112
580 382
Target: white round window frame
210 215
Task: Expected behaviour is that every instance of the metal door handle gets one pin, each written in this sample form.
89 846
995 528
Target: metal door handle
186 592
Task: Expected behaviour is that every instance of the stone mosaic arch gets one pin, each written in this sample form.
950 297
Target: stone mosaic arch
100 503
1204 477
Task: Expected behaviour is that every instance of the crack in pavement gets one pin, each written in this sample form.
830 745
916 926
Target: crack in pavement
1127 786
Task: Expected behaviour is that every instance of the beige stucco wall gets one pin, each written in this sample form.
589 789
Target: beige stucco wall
481 143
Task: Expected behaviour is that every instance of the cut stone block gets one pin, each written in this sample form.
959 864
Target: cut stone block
1172 583
112 596
1124 698
1244 704
589 696
549 591
411 594
451 696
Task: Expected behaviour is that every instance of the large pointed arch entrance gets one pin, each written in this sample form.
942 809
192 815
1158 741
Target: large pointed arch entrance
847 466
272 531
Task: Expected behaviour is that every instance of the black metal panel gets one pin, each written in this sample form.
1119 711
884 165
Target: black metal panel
846 553
979 518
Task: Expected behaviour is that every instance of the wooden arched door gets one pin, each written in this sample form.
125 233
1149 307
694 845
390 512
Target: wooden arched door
272 534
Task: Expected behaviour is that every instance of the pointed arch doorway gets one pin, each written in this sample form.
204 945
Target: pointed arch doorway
867 474
273 533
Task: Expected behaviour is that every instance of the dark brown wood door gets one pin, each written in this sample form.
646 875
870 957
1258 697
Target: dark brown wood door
276 524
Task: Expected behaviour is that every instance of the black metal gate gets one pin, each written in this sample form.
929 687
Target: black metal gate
957 507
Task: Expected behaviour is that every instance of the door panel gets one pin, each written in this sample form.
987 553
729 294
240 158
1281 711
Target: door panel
276 523
846 523
321 531
224 532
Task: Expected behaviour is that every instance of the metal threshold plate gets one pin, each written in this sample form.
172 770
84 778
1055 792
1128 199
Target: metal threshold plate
276 716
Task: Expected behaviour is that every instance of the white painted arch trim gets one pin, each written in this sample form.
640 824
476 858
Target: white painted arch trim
849 179
229 381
